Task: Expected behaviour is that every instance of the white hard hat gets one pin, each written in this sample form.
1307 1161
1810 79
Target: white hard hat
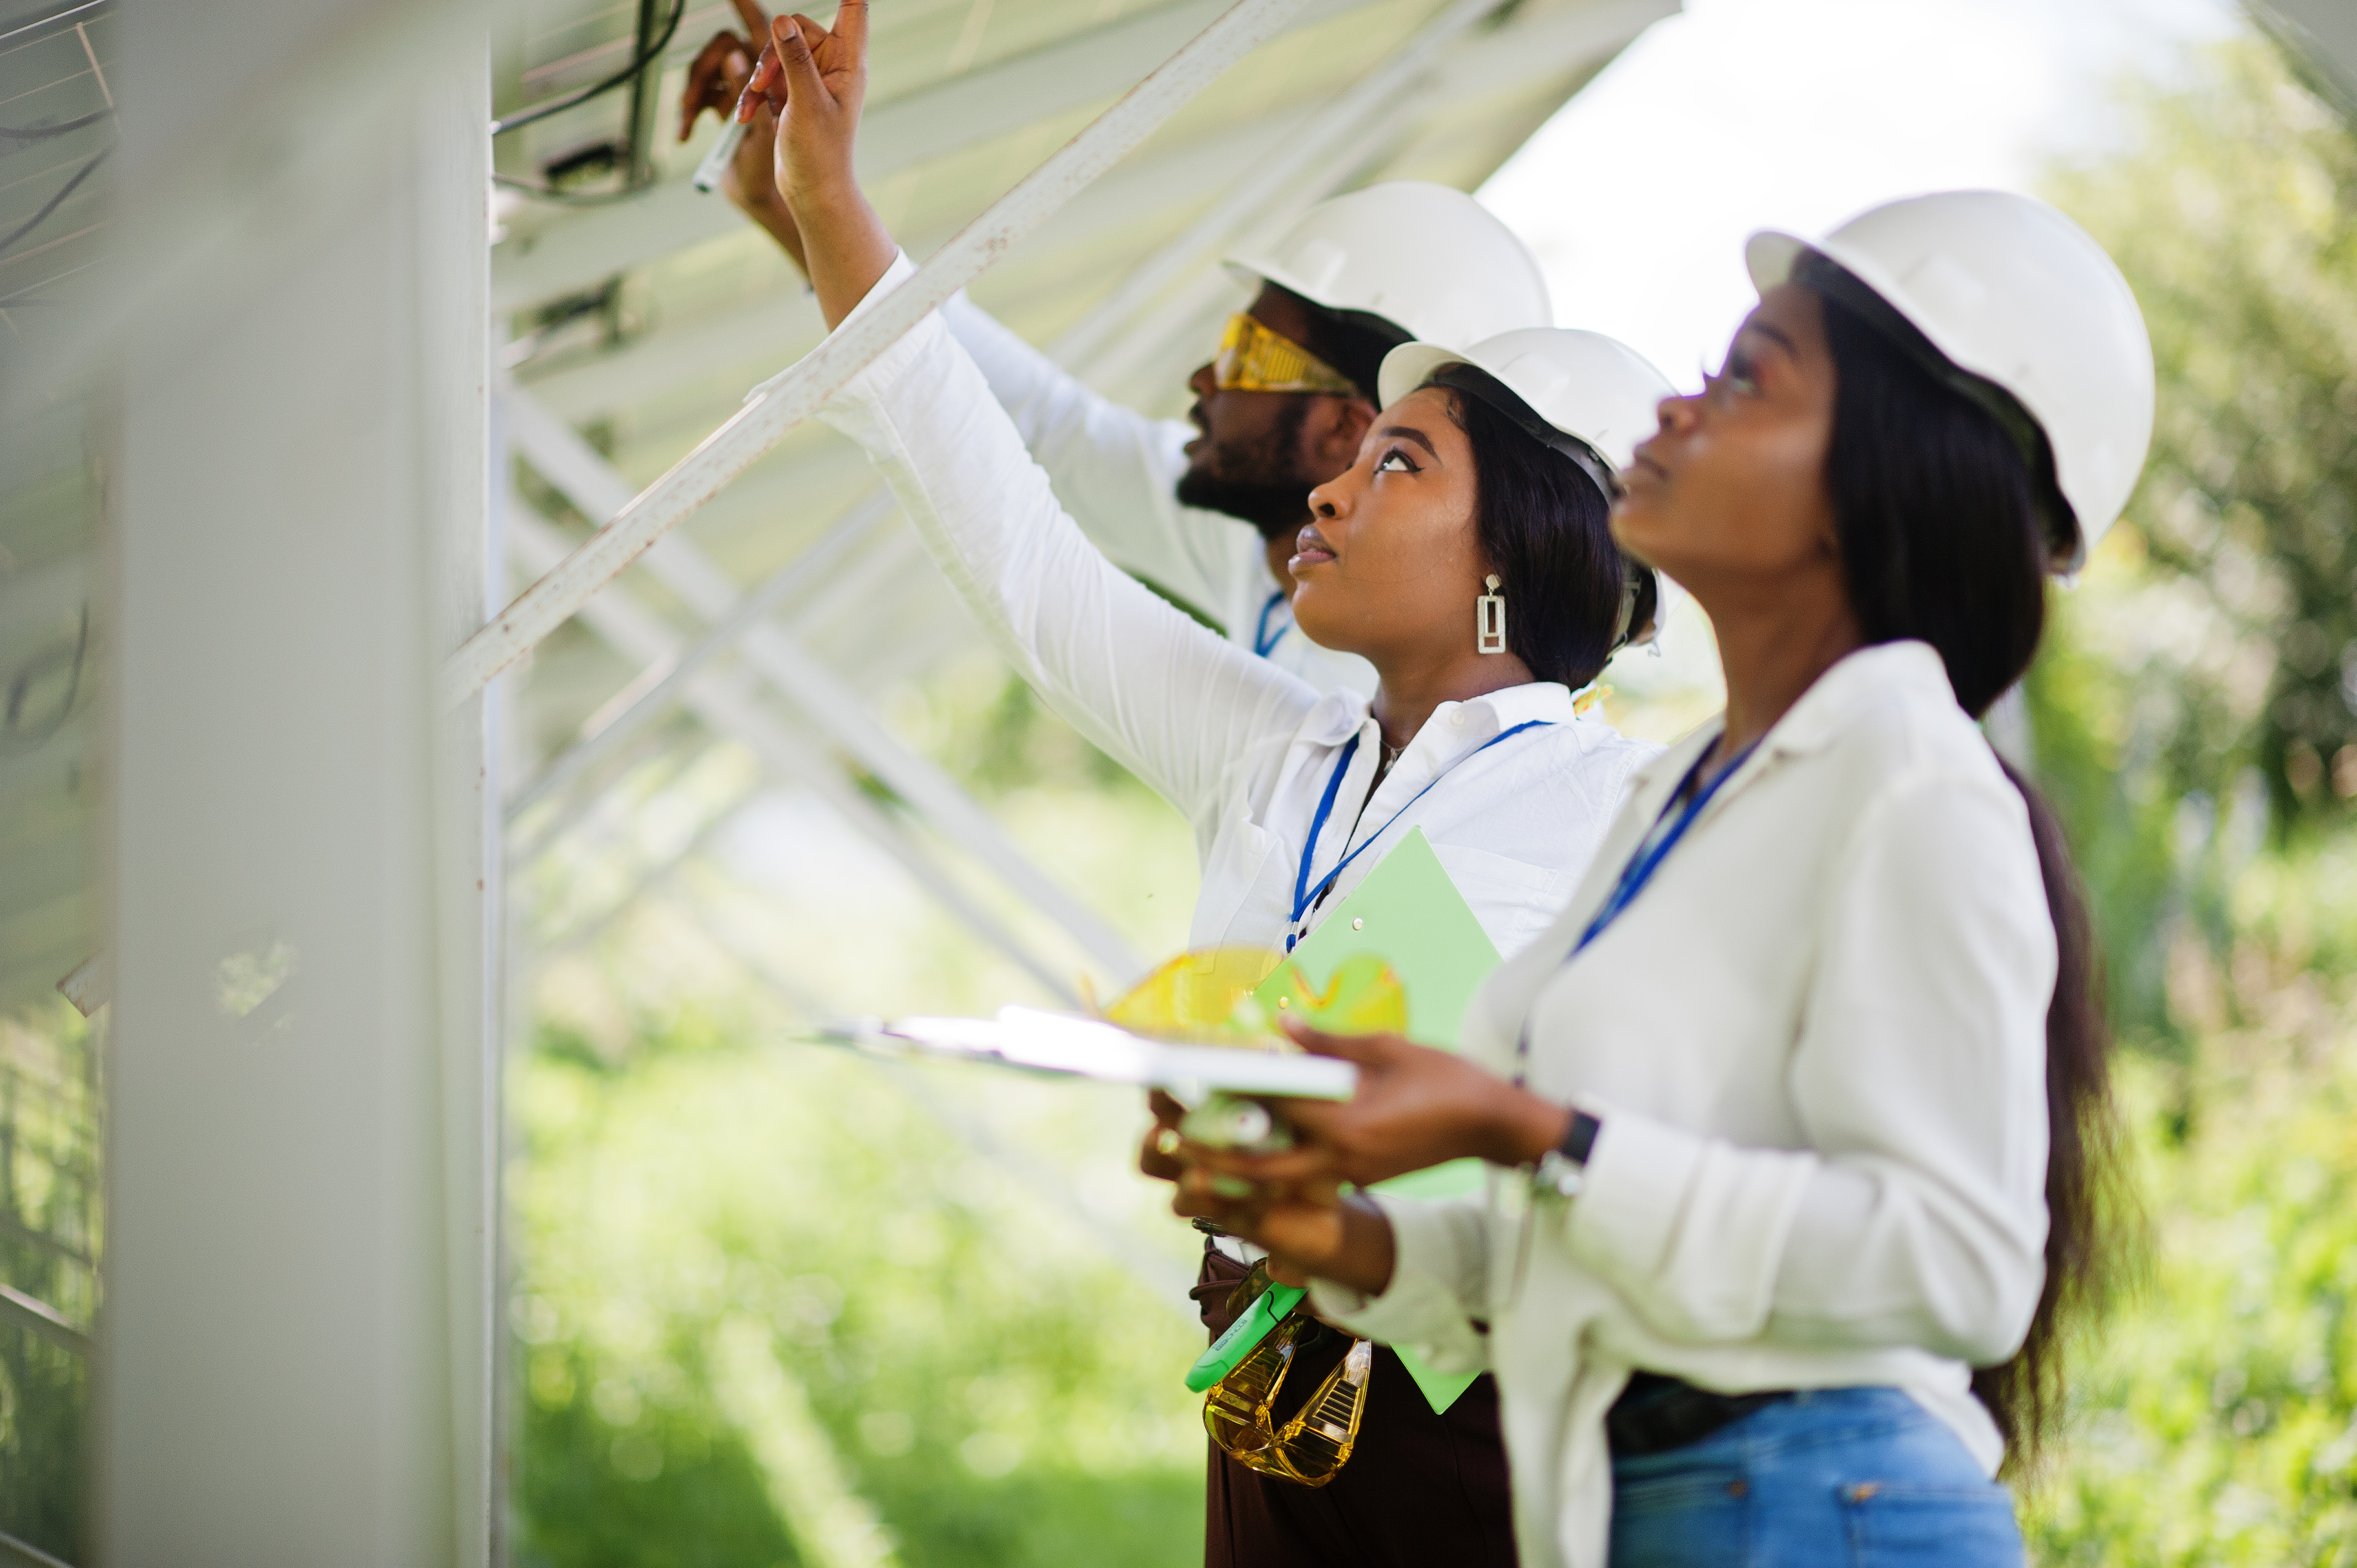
1427 258
2015 294
1594 390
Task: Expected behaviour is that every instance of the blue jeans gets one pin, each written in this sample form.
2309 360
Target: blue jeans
1862 1476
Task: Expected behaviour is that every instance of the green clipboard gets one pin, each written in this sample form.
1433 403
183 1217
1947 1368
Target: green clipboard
1409 914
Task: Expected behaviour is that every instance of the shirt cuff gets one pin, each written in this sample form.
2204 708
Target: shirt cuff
1424 1308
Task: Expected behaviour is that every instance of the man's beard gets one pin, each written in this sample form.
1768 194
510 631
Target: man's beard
1274 508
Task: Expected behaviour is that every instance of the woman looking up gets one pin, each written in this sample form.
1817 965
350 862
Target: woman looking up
1294 795
1807 1088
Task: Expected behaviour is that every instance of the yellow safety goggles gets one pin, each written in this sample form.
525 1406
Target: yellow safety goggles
1254 358
1316 1443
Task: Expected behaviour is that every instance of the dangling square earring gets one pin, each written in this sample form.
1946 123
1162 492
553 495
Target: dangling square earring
1489 621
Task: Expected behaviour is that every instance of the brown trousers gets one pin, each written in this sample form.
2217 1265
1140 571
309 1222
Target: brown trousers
1421 1489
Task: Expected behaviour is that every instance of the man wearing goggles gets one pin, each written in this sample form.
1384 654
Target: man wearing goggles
1279 411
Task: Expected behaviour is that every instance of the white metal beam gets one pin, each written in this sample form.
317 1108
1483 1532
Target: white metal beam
1165 1278
787 320
572 252
574 467
664 688
778 404
1518 53
296 1339
724 699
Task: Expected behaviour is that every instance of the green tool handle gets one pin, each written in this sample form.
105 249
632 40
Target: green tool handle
1265 1313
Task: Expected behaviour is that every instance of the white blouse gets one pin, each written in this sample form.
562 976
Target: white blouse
1117 470
1245 749
1816 1041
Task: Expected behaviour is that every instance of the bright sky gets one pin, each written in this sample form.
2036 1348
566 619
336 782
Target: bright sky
1743 114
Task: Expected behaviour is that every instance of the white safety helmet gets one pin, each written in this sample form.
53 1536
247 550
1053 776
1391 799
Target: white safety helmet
1427 258
1590 397
2016 294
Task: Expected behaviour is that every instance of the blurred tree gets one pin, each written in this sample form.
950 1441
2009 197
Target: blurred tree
50 1240
2195 715
2235 220
968 1373
2199 692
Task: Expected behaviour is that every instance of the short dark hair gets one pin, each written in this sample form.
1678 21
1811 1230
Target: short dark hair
1353 341
1937 513
1547 531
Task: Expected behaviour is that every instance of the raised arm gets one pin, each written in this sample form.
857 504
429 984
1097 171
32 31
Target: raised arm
1177 704
1171 701
1113 468
814 80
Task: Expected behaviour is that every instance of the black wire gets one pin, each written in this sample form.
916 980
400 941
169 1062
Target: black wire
56 201
42 132
17 741
582 95
567 198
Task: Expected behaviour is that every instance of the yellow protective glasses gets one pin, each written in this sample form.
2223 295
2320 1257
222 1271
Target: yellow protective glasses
1309 1449
1254 358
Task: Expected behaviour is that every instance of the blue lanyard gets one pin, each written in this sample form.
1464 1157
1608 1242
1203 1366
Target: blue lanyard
1639 870
1657 846
1264 639
1304 895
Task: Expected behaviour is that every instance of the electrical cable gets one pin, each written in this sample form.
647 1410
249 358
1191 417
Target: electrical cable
54 202
42 132
566 197
582 95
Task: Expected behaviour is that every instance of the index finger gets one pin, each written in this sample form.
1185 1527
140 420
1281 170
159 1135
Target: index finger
851 26
1294 1165
755 21
1318 1043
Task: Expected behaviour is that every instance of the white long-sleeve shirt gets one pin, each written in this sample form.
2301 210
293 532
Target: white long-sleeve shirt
1816 1041
1116 471
1245 749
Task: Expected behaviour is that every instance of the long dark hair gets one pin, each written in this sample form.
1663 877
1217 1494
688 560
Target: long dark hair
1936 508
1547 531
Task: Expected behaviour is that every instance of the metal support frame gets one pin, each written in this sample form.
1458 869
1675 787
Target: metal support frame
658 686
786 401
1165 1278
1272 178
574 467
727 700
1387 94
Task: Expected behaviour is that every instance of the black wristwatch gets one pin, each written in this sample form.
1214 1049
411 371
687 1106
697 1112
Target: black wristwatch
1563 1170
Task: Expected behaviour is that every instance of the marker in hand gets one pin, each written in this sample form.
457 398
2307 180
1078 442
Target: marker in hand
709 88
715 167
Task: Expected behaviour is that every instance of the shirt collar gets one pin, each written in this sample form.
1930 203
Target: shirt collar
1909 670
1339 714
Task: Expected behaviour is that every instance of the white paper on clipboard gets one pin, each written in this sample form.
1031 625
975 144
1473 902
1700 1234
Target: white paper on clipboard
1064 1043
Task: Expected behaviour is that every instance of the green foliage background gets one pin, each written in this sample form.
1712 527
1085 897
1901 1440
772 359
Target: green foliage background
2194 717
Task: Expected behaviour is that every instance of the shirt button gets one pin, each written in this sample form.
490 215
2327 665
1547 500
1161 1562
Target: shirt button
1457 719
